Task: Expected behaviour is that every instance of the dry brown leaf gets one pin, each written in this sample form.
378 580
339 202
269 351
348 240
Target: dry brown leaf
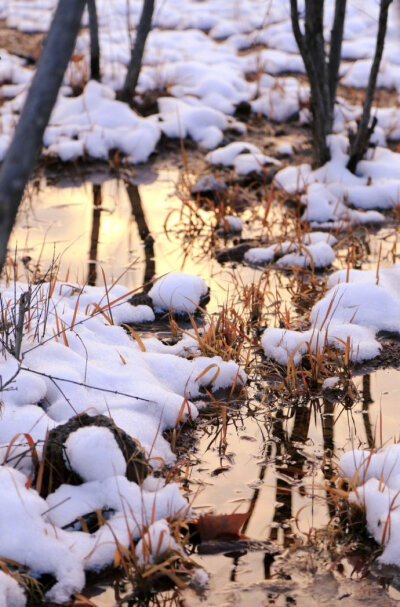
221 526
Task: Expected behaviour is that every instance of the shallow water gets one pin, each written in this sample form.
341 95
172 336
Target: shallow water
277 458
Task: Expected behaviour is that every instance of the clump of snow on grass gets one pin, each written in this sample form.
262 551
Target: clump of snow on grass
376 476
314 250
27 537
226 155
93 453
11 594
179 119
330 383
284 345
284 149
200 579
95 123
346 312
280 99
179 292
330 189
156 544
230 223
244 157
128 314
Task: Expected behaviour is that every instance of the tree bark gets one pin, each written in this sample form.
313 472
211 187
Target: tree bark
94 41
335 53
360 142
26 145
128 91
312 49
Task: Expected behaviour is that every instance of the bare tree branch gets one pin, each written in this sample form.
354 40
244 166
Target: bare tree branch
361 140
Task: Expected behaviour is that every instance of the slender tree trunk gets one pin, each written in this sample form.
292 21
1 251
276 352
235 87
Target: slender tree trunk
335 53
359 144
26 145
128 91
320 101
94 41
323 75
312 50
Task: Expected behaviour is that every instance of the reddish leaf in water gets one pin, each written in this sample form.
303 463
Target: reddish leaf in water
221 526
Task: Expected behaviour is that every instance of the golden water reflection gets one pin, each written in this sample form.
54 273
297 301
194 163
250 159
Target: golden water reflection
105 224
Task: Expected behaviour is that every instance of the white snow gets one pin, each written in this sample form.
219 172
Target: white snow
348 311
179 292
330 189
93 453
314 250
11 594
230 223
99 123
83 363
156 544
375 479
244 157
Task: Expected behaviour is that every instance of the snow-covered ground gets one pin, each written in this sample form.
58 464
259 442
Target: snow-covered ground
357 305
207 59
76 358
375 481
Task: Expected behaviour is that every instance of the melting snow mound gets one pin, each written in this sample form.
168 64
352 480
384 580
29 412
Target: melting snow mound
376 476
347 312
179 292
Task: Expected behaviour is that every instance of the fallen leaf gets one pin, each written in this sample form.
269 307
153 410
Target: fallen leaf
218 526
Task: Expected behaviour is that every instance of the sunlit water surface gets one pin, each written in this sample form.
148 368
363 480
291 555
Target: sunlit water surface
271 464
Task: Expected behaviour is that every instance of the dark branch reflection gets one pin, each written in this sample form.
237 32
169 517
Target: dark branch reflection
367 400
94 236
143 229
292 468
144 233
328 427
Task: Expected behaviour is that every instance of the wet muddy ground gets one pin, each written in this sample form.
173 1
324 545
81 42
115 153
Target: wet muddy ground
270 453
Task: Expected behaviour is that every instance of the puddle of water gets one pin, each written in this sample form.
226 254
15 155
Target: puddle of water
273 471
271 466
109 222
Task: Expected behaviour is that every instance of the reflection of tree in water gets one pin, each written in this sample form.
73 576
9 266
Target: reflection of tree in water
367 400
143 229
328 428
144 233
95 233
290 466
290 461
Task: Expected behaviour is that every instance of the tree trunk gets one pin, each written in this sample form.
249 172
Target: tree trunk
360 142
312 49
335 54
26 145
128 91
94 41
